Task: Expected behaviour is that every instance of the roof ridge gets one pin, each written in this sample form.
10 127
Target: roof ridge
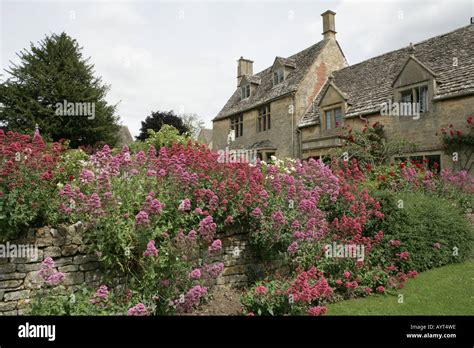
292 56
405 48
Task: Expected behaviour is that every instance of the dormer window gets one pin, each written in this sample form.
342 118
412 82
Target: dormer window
333 118
418 95
245 92
278 76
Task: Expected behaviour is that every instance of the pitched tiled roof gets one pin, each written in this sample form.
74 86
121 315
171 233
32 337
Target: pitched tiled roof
368 84
266 91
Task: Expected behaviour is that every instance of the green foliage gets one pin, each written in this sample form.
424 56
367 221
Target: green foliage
273 302
51 72
166 136
370 146
62 300
420 221
160 118
461 142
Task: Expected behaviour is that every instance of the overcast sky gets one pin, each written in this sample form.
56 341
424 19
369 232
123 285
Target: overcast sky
163 55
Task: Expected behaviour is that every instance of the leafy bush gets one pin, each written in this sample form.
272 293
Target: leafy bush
431 229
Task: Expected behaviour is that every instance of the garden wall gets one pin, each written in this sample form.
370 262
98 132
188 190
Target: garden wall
19 276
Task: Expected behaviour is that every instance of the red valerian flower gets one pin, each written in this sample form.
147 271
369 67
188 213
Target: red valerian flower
261 290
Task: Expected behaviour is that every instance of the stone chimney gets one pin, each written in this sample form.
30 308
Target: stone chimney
329 25
245 67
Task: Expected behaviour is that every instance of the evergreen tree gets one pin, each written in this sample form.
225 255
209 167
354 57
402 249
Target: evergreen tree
51 74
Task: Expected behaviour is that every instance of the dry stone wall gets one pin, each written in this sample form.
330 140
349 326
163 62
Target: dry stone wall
19 277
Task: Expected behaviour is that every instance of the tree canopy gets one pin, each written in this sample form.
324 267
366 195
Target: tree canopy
48 86
159 118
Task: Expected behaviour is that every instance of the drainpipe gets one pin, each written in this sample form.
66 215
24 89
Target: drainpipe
293 127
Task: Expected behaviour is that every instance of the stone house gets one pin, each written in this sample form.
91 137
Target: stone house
436 76
296 107
266 108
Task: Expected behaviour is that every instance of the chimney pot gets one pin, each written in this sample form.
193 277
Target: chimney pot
329 25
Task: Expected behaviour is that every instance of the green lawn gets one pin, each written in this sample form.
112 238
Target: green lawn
447 290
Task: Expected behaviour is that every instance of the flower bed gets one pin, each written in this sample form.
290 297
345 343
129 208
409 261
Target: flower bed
156 215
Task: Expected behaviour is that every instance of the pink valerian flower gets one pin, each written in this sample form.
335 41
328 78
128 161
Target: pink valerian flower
101 296
437 245
207 228
55 278
229 219
185 205
192 235
403 255
195 274
156 207
150 249
347 274
48 263
102 292
412 274
94 202
316 311
293 248
279 218
306 205
215 247
394 243
380 289
368 291
214 270
86 176
191 299
138 310
142 218
261 290
339 281
49 273
257 212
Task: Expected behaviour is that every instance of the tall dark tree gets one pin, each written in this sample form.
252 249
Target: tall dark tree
159 118
50 73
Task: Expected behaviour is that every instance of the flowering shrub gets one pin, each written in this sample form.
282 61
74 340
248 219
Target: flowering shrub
152 213
305 294
28 168
155 216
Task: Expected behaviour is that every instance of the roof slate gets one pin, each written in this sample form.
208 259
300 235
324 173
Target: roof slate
266 92
368 84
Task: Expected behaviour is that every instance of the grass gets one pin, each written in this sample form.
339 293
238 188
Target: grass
447 290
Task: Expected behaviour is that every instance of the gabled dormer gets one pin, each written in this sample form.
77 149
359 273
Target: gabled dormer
415 83
281 68
332 107
248 86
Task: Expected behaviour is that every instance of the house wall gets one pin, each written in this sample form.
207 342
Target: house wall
420 131
286 112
